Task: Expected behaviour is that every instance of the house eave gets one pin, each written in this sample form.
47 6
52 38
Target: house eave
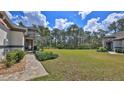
8 22
116 39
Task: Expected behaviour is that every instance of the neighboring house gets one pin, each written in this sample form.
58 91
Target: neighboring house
114 42
13 37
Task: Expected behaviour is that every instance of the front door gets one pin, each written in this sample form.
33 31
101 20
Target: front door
29 45
109 45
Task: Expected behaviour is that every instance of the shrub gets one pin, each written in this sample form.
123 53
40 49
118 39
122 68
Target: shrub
119 50
102 49
13 57
10 63
20 55
41 56
60 46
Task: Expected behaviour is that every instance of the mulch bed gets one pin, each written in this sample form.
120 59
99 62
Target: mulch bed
15 68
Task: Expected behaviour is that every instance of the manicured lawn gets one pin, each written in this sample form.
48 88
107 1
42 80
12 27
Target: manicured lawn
84 65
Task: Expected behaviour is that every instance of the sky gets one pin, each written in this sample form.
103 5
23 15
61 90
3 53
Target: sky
88 20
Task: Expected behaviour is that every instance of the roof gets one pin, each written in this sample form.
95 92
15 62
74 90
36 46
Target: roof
120 34
110 36
117 36
8 22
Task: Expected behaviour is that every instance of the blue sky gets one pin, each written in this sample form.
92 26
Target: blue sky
89 20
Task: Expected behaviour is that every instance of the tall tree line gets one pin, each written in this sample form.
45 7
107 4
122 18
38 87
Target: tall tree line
71 38
74 37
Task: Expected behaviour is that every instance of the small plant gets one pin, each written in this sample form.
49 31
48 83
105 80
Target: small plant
60 46
41 56
20 55
102 49
10 63
13 57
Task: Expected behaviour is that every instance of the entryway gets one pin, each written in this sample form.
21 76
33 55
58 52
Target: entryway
109 46
29 44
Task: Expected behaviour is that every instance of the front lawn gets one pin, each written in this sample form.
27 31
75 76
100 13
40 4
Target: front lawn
84 65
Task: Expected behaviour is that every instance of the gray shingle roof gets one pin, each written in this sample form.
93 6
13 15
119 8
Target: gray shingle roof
120 34
116 36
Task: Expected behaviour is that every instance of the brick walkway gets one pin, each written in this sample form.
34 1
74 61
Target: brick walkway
33 69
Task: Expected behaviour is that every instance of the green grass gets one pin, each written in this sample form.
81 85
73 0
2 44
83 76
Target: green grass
84 65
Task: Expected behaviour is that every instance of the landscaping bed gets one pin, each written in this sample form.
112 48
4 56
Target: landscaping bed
14 61
43 55
15 68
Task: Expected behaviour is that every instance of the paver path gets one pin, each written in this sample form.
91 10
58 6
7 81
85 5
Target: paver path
111 52
33 69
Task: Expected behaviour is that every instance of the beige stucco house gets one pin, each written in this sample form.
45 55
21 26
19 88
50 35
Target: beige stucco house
14 37
114 42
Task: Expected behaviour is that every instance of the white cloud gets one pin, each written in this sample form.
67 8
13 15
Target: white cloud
50 28
30 18
38 18
14 18
111 18
92 25
62 23
83 14
35 18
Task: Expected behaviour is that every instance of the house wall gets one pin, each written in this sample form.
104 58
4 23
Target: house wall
9 40
117 43
123 43
12 39
16 39
3 36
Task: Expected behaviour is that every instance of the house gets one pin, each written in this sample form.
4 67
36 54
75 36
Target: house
114 42
30 36
13 37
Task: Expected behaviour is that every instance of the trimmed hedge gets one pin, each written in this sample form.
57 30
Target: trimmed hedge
13 57
41 56
102 49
